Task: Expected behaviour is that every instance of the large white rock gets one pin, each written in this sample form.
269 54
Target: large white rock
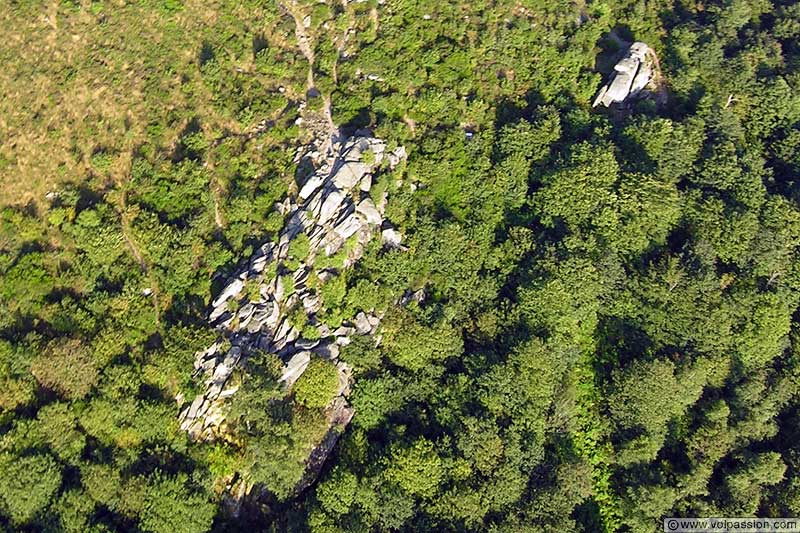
639 50
252 326
344 213
295 225
631 75
208 365
367 208
314 204
349 174
282 331
295 368
362 323
354 150
232 289
258 263
332 243
325 211
330 205
312 184
627 64
343 331
227 393
233 356
221 374
642 78
366 183
217 312
349 226
195 407
246 311
620 87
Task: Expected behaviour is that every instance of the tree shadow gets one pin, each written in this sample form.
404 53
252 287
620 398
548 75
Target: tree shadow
508 110
613 45
620 341
205 54
259 43
181 151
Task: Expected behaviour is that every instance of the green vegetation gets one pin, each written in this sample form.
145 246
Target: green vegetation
300 247
608 329
317 386
272 434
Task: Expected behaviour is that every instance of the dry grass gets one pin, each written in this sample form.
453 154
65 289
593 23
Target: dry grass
79 81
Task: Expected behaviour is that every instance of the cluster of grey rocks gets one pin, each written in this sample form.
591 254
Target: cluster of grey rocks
630 76
335 215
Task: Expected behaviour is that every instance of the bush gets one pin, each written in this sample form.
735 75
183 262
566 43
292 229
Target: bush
66 368
318 384
27 484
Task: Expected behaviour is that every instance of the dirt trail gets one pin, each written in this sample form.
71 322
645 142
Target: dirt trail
411 123
303 41
217 213
133 247
137 255
305 44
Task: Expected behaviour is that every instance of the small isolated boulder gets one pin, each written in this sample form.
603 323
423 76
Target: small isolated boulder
391 238
362 323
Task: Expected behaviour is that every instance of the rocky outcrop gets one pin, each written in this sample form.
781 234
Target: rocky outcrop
328 224
630 76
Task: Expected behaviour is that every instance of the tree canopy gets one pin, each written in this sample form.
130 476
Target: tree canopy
599 319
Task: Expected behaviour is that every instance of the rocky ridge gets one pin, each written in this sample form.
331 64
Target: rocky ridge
329 224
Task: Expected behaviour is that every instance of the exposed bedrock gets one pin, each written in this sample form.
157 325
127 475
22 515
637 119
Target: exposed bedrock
328 223
631 75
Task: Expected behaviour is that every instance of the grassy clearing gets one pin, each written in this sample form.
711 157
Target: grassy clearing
85 85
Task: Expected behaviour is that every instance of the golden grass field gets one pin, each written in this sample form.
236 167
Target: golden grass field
78 80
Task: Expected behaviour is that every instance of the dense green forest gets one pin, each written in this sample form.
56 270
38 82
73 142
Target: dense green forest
609 331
